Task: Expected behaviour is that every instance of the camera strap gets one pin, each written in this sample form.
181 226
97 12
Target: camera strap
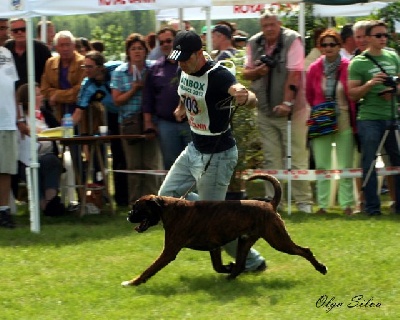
367 55
276 52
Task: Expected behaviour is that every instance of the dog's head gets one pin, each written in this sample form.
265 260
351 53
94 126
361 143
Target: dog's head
146 211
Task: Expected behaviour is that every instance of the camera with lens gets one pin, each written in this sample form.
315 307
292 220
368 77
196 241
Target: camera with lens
391 81
268 61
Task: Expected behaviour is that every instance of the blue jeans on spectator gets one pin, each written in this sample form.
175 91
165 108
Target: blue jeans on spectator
371 133
174 137
212 185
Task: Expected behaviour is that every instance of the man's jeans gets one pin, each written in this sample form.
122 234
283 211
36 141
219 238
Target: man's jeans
188 171
174 137
371 133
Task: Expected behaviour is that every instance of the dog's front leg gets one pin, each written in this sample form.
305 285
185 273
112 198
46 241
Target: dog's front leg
244 244
216 260
165 258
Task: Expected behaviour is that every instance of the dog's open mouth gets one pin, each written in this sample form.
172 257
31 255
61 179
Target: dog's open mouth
143 226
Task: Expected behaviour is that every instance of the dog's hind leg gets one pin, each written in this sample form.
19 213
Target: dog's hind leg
165 258
216 260
278 238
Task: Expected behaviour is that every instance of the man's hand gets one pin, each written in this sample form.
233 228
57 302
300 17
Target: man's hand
282 110
136 85
23 128
242 95
52 100
180 113
378 78
262 69
149 126
387 94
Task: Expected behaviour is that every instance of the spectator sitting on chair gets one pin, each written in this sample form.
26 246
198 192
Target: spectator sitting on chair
95 93
50 168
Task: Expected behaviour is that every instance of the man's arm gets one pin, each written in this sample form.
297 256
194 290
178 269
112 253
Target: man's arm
358 90
180 112
148 102
242 95
253 69
256 72
291 84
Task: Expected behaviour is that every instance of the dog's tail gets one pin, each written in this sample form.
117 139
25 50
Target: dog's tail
276 184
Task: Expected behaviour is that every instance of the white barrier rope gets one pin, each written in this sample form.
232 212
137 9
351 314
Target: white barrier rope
295 174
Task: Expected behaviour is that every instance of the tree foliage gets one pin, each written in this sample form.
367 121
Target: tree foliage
114 27
113 40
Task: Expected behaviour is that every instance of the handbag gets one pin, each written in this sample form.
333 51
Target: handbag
132 124
323 116
323 120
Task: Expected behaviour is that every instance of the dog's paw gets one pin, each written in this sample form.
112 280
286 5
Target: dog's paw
323 269
126 284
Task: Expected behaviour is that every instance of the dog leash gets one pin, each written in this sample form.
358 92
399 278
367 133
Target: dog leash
221 104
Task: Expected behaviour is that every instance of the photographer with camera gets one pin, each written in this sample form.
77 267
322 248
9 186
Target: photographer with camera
373 81
275 64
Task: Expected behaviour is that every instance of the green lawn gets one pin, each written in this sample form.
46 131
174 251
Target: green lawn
74 267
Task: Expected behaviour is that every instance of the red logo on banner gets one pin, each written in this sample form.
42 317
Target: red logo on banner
251 8
123 2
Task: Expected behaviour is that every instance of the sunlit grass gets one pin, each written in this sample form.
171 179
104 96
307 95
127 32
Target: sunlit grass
74 267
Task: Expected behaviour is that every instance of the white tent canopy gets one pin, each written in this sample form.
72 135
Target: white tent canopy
243 11
32 8
352 10
252 10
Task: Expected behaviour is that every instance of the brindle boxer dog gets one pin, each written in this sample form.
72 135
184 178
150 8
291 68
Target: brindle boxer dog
208 225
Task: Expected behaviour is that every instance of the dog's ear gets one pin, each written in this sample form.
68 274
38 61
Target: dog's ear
156 201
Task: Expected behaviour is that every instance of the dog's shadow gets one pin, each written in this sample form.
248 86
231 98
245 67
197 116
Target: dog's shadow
221 288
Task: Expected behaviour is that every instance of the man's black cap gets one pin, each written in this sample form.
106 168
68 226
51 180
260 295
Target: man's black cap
185 44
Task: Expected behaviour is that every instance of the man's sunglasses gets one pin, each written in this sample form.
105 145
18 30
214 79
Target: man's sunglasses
15 30
2 28
380 35
332 45
168 41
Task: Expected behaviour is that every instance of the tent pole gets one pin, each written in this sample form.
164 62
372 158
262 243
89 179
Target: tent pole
208 24
302 20
43 29
34 165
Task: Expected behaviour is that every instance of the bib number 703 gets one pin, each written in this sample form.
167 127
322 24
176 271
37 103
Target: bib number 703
190 104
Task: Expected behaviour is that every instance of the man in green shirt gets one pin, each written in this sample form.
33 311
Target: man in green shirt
369 83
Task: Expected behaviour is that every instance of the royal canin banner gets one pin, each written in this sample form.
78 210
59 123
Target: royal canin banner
216 12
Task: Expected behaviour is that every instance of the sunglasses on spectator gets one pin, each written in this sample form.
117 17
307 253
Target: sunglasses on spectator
380 35
2 28
15 30
332 45
168 41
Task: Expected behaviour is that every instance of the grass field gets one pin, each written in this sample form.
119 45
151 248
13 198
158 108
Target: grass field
74 267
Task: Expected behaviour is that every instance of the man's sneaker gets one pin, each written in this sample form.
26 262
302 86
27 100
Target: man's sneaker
262 267
6 220
304 207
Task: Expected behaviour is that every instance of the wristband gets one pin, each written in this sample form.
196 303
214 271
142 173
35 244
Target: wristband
19 120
